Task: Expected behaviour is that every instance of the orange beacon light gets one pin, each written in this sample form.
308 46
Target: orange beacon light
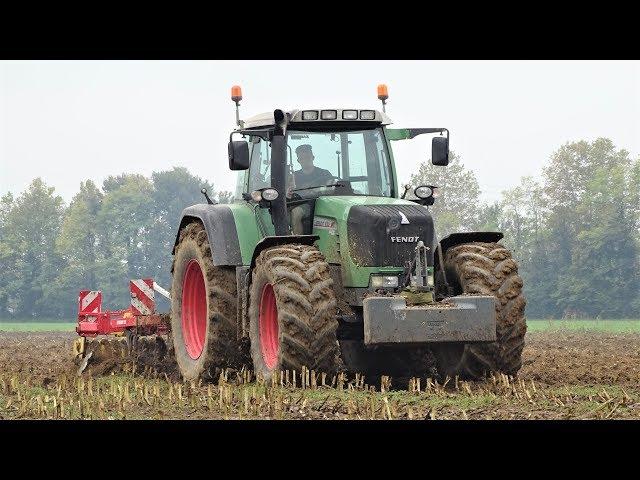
383 94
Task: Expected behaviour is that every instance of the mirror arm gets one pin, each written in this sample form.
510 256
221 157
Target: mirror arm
414 132
264 134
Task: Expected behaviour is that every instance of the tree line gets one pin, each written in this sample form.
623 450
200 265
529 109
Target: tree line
575 233
102 239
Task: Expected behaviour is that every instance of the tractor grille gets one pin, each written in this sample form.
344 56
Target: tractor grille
377 236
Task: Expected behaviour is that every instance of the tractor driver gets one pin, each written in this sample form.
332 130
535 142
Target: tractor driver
308 176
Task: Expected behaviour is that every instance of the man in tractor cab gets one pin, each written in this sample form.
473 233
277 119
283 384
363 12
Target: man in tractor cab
308 176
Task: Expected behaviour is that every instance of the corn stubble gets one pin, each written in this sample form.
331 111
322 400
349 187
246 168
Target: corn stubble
300 395
32 387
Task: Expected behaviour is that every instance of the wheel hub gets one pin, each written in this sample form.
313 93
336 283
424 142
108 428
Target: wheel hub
268 322
194 310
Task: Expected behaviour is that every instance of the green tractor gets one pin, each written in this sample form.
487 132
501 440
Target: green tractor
322 263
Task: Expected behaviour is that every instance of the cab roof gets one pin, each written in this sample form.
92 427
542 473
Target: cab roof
295 116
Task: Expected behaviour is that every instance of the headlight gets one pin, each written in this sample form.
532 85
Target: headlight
256 195
269 194
310 115
423 192
384 281
367 115
329 114
349 114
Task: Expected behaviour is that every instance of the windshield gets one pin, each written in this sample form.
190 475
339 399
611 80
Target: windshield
356 158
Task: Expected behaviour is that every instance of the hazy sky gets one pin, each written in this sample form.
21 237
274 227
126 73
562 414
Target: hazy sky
68 121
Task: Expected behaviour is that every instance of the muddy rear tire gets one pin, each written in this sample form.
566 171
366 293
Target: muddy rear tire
292 312
486 269
203 308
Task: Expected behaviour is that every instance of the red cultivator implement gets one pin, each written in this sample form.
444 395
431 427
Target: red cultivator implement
140 318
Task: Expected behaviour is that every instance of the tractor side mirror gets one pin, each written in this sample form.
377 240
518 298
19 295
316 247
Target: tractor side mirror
238 155
440 151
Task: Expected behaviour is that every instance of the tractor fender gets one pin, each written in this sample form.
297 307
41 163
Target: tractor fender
465 237
268 242
221 231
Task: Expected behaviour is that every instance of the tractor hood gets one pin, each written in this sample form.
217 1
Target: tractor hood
375 232
340 205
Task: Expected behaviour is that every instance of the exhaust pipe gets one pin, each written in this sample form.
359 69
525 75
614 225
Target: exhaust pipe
278 174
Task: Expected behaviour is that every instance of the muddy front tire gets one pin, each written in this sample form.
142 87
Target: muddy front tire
292 312
203 308
486 269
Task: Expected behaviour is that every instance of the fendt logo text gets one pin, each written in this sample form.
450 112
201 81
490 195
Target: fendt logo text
404 239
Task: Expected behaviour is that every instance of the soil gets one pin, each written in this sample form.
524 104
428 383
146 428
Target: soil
594 358
564 375
46 355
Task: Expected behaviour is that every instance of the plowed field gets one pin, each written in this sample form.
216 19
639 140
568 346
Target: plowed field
564 375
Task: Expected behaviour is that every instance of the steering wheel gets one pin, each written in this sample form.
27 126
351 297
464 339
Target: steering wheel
294 196
335 184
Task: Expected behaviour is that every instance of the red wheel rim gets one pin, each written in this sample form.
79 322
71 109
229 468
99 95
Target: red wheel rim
268 321
194 310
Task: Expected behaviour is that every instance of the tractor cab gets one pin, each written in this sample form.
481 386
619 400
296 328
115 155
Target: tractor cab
332 152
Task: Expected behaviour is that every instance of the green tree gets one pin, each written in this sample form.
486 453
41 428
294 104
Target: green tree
521 210
77 247
6 203
634 198
603 278
30 226
566 180
577 197
458 206
539 275
123 224
172 191
114 182
490 217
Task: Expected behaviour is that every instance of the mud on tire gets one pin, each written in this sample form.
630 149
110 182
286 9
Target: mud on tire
306 310
487 269
220 344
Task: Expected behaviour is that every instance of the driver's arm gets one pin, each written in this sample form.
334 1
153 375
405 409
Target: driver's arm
327 177
290 183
